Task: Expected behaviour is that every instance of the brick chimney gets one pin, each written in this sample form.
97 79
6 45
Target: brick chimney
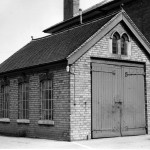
71 8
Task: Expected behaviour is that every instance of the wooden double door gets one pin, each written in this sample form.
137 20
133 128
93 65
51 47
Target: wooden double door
118 100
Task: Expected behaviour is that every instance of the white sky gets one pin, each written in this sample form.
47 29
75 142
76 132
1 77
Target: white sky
21 19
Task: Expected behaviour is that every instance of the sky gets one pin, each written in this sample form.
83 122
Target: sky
21 19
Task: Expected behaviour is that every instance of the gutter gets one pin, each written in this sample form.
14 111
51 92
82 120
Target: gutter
35 69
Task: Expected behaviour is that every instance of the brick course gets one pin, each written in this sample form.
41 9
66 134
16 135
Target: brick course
60 130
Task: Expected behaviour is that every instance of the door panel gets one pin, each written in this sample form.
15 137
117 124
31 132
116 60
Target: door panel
118 100
133 119
106 89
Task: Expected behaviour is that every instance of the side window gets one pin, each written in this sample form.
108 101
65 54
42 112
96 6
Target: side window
124 44
23 104
46 100
4 102
115 43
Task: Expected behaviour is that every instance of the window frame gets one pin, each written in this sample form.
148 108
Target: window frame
47 113
23 104
5 103
124 43
116 42
127 44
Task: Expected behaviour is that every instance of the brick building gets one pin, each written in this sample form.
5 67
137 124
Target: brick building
89 79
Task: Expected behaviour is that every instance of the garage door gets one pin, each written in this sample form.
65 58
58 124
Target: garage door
118 100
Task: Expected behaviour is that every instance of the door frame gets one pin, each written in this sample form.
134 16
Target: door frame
117 62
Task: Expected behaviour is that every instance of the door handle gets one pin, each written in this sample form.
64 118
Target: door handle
120 103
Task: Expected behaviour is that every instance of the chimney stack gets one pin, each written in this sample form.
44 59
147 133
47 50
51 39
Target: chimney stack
71 8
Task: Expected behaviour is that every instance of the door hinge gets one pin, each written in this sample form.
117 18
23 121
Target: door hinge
112 72
130 74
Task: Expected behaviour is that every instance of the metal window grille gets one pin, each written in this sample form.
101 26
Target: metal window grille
46 100
23 101
4 102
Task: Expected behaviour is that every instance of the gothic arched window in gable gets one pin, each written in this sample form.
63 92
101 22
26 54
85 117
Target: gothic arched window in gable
115 43
124 44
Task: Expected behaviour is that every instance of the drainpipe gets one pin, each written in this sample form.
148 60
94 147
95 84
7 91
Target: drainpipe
69 71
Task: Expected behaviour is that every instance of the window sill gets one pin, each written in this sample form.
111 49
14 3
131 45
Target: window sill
23 121
46 122
7 120
118 56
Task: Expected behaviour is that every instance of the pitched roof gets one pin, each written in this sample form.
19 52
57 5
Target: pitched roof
52 48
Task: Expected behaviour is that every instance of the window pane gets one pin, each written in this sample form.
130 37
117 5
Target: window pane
47 115
50 85
122 46
24 96
124 42
44 114
27 87
50 116
47 94
115 43
50 94
50 104
43 104
47 104
43 95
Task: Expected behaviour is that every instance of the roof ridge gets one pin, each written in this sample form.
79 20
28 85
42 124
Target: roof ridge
78 26
85 11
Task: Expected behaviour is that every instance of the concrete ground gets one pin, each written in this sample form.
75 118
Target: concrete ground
132 142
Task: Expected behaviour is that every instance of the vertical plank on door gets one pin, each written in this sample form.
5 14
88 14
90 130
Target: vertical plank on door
133 119
105 116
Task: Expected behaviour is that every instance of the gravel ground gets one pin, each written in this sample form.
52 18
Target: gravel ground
132 142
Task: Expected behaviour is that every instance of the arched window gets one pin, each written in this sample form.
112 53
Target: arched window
124 44
115 40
